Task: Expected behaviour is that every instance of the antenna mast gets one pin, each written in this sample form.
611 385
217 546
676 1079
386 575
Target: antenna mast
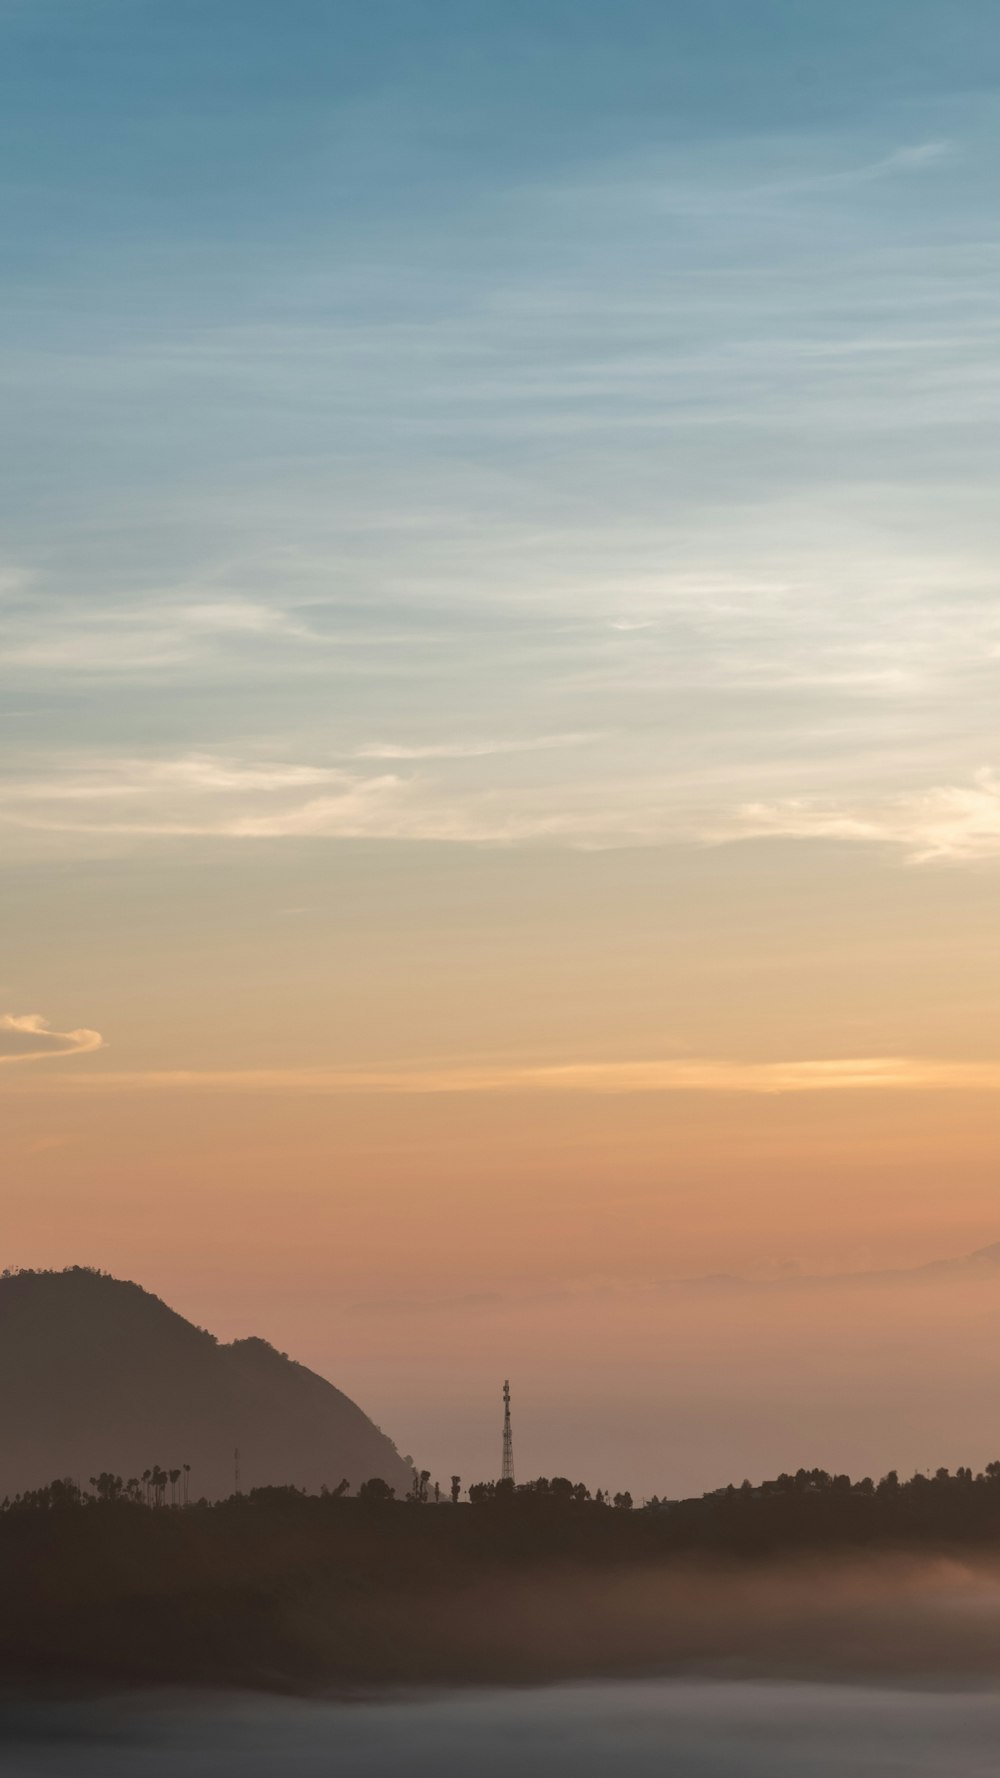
507 1468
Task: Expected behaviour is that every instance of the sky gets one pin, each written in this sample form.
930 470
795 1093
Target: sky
499 653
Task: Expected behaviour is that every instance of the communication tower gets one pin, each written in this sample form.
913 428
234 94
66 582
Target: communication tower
507 1468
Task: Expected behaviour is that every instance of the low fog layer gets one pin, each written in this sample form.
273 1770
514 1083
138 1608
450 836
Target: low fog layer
691 1730
259 1606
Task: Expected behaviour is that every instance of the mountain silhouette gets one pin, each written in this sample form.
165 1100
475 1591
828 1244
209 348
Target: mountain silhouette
983 1264
97 1374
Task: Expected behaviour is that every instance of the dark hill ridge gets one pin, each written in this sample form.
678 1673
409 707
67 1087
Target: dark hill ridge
98 1374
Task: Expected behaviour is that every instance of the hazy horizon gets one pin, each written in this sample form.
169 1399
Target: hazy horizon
727 1379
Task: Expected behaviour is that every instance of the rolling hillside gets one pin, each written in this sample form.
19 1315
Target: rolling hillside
97 1374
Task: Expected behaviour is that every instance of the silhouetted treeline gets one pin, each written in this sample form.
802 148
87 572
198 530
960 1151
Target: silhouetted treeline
280 1587
107 1489
811 1503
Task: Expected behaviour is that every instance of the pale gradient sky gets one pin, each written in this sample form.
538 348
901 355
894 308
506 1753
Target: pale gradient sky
499 662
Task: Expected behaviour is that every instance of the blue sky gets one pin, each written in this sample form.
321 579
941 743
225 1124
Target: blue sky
556 422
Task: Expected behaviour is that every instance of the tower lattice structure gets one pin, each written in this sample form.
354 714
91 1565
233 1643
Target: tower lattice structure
507 1467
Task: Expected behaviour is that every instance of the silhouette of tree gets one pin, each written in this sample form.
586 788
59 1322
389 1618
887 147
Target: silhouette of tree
375 1489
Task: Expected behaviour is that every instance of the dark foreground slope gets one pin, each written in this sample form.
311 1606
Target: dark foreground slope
283 1591
97 1374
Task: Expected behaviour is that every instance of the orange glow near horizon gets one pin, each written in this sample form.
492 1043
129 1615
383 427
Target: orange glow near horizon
407 1245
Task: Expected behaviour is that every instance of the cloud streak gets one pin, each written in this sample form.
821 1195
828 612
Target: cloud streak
471 749
27 1037
161 633
431 799
952 823
761 559
677 1075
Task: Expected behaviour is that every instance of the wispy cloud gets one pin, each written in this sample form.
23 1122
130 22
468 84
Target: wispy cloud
471 749
686 1075
157 632
909 158
207 795
27 1037
949 823
210 795
711 485
223 796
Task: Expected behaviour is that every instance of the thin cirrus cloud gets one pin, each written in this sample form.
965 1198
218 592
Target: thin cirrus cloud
146 780
222 796
949 823
667 184
136 638
675 1075
212 796
472 749
27 1037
